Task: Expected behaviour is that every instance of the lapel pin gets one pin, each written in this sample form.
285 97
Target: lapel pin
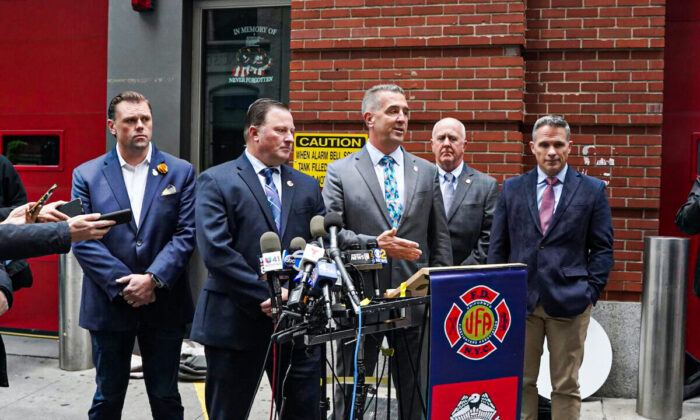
154 172
290 183
415 169
468 181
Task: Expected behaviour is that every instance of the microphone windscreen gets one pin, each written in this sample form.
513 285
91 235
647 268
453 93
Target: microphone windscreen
270 242
297 244
372 243
333 219
316 227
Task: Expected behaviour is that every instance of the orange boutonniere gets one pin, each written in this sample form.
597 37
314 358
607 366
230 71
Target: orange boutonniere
162 168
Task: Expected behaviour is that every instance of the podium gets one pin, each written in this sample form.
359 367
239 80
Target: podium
477 337
477 340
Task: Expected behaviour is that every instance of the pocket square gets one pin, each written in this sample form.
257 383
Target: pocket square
170 189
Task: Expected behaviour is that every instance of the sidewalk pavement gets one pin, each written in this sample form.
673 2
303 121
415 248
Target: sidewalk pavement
38 388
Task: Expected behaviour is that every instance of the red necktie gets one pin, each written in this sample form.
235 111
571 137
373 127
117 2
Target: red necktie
547 205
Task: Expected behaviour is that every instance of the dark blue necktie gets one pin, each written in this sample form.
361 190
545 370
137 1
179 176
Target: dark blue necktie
273 197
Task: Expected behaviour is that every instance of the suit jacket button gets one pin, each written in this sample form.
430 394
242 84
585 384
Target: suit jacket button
138 243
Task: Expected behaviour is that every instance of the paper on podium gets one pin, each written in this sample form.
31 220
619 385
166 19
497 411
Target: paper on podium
418 284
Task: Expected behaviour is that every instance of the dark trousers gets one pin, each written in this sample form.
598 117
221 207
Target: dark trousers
233 374
408 372
160 352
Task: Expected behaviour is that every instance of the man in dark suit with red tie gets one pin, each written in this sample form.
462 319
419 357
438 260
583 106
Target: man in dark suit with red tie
237 202
557 221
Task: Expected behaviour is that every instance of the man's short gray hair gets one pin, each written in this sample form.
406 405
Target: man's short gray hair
369 102
551 121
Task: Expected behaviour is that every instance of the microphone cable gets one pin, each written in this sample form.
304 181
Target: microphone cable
257 386
284 381
274 376
333 375
357 350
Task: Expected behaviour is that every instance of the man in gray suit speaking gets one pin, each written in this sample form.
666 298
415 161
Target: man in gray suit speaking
469 195
389 195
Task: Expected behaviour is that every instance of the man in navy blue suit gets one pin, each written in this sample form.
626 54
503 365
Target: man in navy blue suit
557 221
237 202
133 282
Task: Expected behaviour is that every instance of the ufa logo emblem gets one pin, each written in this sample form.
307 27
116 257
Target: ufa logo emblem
475 320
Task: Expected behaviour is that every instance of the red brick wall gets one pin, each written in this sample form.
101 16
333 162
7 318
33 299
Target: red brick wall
599 63
497 66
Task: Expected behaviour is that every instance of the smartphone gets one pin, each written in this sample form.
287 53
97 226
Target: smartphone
119 216
72 208
42 200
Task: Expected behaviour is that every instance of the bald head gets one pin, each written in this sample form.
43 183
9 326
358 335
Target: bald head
447 142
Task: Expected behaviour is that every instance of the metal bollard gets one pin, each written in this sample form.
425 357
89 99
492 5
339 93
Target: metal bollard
75 349
662 342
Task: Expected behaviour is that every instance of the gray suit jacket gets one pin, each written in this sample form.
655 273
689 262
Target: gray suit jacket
469 219
352 189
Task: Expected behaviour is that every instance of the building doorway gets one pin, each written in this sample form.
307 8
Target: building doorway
240 54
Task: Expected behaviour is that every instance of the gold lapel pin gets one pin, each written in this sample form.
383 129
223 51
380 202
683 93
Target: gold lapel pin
290 183
154 172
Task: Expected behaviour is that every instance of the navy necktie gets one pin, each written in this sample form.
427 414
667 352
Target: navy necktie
273 197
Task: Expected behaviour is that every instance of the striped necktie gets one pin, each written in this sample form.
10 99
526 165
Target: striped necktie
273 197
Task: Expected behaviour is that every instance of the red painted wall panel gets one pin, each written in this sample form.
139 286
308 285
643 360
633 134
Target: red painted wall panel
53 76
681 122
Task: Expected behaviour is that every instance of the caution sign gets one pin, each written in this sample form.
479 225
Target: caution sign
314 151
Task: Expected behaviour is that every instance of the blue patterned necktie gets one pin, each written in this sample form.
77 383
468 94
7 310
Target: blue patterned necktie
391 191
273 198
449 194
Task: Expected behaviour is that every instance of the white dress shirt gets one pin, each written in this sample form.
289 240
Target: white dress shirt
259 166
135 178
542 185
455 172
375 156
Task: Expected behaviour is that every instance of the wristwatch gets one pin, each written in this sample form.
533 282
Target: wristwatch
158 282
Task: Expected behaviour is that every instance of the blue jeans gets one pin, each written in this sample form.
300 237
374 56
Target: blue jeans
160 352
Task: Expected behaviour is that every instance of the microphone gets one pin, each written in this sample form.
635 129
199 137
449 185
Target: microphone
378 254
272 262
317 230
373 246
332 224
324 275
289 256
310 257
359 257
297 244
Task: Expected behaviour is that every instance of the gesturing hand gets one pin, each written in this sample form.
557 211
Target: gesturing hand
396 247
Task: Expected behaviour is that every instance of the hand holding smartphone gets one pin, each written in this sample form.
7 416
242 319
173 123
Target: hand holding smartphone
42 200
72 208
119 216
